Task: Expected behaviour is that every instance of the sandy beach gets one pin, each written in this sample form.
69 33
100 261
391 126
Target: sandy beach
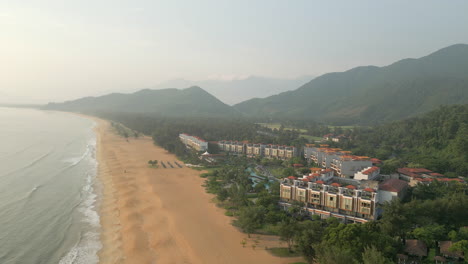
163 215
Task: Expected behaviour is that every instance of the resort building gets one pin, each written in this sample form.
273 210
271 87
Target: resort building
421 175
193 142
342 162
392 189
347 199
255 150
368 173
350 203
258 149
347 165
280 152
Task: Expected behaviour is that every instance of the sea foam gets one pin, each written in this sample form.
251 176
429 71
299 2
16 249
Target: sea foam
85 251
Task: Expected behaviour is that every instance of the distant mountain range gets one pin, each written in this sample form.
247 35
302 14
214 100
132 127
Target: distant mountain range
192 101
239 90
363 95
374 94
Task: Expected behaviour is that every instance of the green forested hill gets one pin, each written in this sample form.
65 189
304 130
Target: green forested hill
192 101
374 94
437 140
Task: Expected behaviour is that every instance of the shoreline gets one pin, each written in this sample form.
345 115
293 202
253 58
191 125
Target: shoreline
157 215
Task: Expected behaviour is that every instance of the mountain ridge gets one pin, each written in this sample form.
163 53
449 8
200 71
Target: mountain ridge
192 101
370 94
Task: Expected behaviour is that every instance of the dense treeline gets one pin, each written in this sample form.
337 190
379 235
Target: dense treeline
437 141
165 130
431 213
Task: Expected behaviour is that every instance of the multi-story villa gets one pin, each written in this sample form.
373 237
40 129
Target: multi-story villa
258 150
326 197
254 150
368 173
280 152
193 142
342 162
347 165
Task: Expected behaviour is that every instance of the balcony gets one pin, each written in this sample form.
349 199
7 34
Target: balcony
366 195
348 192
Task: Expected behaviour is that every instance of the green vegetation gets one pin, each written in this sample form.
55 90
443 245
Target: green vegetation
153 163
311 139
437 141
279 126
369 95
283 252
122 130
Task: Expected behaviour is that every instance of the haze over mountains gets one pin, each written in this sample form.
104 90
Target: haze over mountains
192 101
374 94
362 95
238 90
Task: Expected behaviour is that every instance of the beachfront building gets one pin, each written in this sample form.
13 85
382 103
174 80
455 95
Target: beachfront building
346 199
350 203
254 150
280 152
193 142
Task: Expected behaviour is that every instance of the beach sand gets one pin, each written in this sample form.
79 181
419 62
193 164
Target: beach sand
157 215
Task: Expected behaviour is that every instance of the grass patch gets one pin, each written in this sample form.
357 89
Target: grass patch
278 125
283 252
252 195
269 229
310 138
343 127
229 213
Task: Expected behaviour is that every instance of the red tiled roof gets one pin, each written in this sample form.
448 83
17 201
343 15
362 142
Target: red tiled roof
416 247
292 177
351 187
393 185
413 172
320 182
435 174
305 179
444 249
369 190
375 161
449 179
336 184
371 170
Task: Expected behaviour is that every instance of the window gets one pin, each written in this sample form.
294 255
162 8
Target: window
347 204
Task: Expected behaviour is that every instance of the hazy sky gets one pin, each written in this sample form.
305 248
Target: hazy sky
56 50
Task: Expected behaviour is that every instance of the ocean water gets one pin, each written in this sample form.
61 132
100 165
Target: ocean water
48 188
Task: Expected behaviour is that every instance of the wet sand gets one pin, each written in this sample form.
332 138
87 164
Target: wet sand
163 215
